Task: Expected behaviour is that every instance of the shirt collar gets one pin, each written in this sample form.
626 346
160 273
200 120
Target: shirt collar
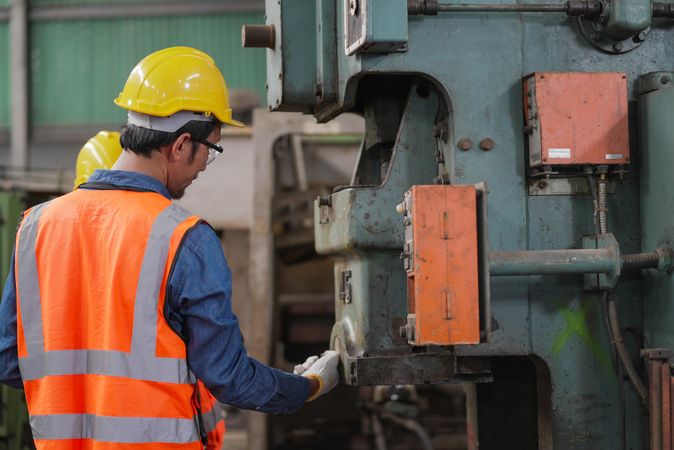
129 180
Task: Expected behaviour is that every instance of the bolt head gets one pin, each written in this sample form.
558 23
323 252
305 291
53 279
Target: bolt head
465 144
618 47
641 37
487 144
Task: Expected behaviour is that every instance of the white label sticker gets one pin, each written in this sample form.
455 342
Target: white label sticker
559 153
614 156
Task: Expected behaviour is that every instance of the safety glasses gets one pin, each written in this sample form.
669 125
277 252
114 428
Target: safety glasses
213 149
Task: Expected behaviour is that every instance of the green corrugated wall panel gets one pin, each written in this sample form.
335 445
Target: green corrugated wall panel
4 74
87 2
79 67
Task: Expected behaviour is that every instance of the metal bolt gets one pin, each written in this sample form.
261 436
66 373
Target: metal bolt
665 79
465 144
641 37
618 47
542 184
487 144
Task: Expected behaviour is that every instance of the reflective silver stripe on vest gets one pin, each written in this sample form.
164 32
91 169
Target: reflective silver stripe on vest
114 429
144 338
141 363
211 418
102 362
27 283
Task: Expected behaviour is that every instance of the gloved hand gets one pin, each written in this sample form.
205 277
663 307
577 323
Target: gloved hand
323 370
301 368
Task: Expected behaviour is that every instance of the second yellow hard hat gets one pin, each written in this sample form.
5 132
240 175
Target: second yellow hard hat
100 152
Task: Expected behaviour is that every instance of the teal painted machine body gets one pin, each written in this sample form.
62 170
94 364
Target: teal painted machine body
459 77
656 110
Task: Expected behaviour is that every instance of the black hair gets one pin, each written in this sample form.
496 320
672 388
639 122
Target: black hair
143 141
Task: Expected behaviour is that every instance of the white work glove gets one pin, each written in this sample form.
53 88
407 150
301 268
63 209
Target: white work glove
301 368
323 370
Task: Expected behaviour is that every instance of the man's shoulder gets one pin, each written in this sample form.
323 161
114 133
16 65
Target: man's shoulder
200 237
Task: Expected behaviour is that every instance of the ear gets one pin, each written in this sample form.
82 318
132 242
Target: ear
181 148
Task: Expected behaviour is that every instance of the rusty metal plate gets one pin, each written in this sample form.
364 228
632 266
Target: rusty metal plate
417 369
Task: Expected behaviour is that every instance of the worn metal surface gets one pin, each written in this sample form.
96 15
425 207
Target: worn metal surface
476 62
418 369
440 257
363 230
367 30
563 186
547 262
576 118
657 208
654 81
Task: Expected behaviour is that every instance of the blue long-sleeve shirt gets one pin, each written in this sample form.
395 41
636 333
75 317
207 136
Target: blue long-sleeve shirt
199 310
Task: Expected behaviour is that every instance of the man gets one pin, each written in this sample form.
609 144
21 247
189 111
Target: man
100 153
118 299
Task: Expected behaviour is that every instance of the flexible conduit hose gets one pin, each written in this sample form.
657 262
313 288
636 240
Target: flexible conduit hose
616 336
612 310
601 204
595 203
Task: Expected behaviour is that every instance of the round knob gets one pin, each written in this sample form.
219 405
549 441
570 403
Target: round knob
258 36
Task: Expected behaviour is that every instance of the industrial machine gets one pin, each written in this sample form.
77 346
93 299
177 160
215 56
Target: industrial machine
509 222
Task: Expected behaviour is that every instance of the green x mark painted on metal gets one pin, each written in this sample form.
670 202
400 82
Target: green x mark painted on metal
577 325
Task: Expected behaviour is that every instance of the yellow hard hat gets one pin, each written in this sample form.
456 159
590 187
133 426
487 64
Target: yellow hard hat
177 79
100 152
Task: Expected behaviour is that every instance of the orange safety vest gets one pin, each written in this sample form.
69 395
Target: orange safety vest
212 418
101 368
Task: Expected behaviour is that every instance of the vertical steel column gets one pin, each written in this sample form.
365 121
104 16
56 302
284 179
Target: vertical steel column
18 37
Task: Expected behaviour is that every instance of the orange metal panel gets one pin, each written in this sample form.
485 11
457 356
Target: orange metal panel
443 271
576 118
